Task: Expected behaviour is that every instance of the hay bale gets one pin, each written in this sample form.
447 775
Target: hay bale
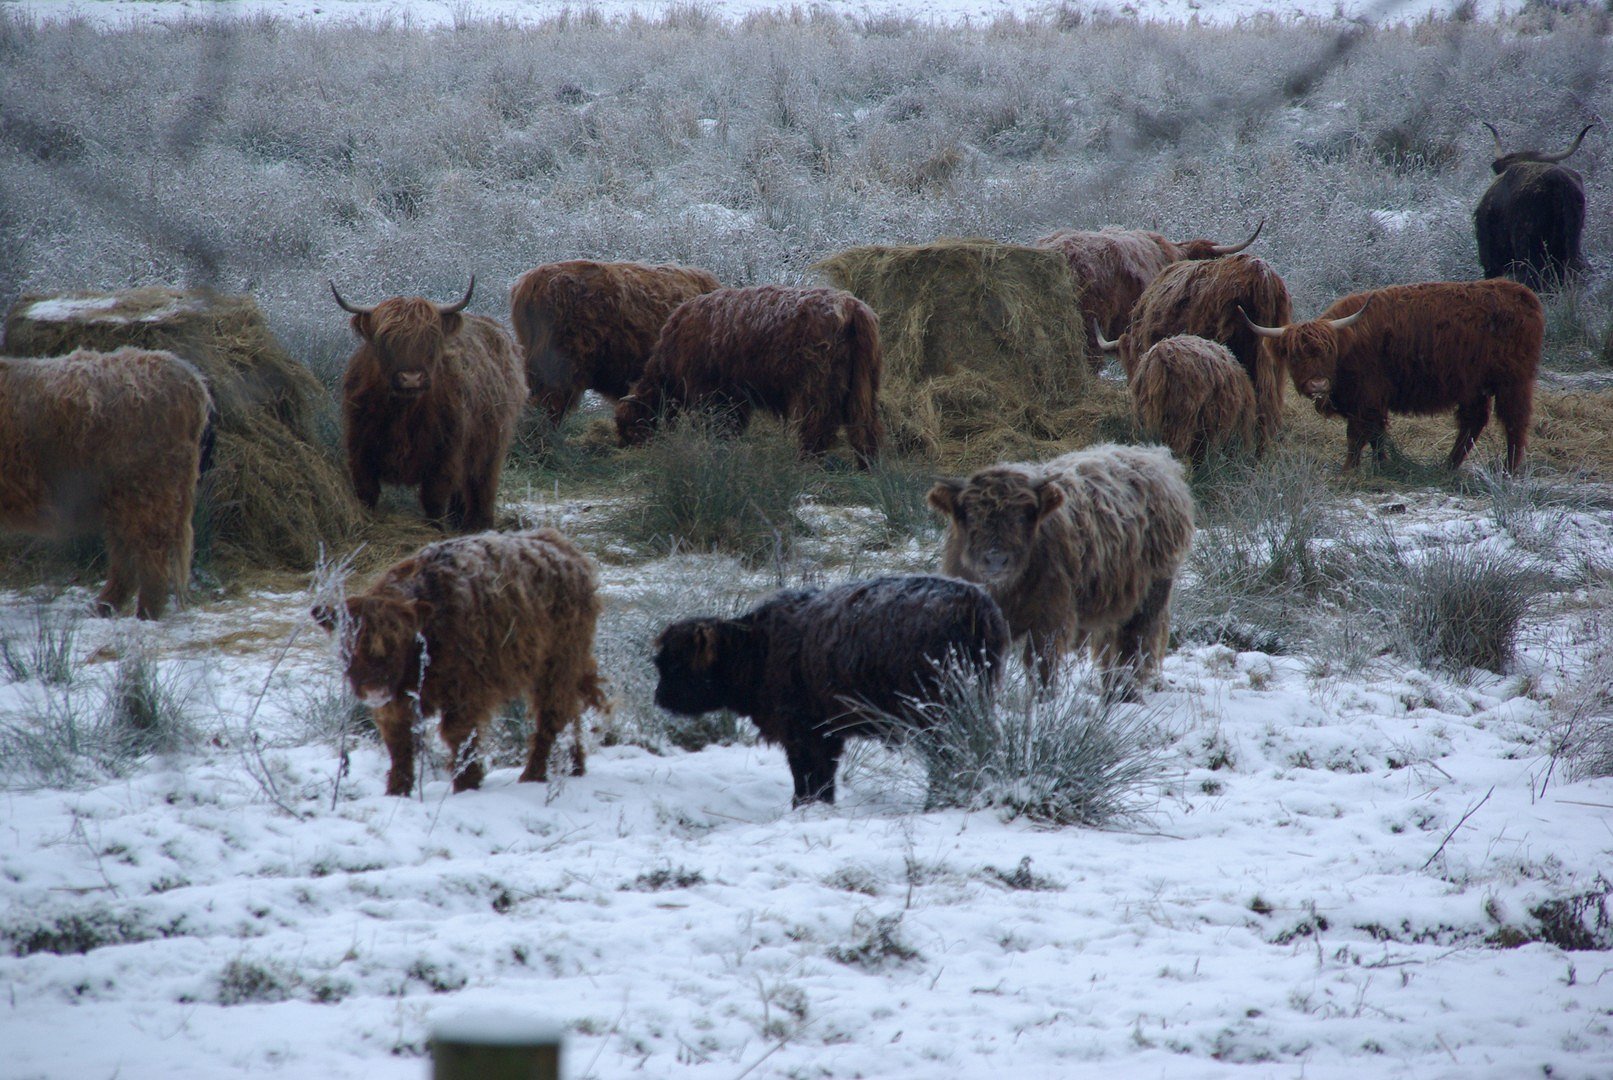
275 494
984 351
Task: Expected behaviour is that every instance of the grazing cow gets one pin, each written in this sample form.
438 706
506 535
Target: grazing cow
109 443
1114 266
464 625
1420 349
809 355
812 667
1202 298
1529 221
586 325
1191 394
431 397
1083 548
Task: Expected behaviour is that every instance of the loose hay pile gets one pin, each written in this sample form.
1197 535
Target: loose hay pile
985 358
273 495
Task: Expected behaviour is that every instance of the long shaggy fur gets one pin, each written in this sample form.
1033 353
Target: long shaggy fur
809 355
463 626
1202 298
431 399
1114 266
585 325
1192 394
1083 548
1422 349
108 442
812 667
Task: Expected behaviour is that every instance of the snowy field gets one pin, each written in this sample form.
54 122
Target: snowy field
1348 863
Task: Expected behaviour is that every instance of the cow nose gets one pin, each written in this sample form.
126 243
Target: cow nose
995 562
411 380
1316 388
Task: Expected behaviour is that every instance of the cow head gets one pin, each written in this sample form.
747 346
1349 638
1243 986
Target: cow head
689 657
1309 349
1504 160
408 336
381 643
994 516
635 420
1209 249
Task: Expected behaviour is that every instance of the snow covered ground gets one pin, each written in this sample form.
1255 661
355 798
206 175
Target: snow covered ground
1334 882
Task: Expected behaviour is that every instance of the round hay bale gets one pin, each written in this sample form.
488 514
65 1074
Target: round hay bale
275 494
983 346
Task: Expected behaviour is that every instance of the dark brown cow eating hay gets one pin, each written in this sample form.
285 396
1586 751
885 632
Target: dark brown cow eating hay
585 325
1420 349
808 355
110 443
430 398
1114 266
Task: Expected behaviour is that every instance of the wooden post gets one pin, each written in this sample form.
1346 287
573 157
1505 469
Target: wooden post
495 1046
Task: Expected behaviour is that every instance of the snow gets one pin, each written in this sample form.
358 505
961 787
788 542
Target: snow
1321 888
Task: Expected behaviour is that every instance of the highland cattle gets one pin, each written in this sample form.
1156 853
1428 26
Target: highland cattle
1528 223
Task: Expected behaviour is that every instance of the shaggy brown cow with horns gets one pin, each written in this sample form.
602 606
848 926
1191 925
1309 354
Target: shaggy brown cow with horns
430 398
1114 266
1529 222
1420 349
808 355
110 443
585 325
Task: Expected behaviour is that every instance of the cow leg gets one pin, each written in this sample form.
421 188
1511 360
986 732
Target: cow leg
365 484
1144 637
1513 407
1358 431
544 730
1471 416
464 754
121 575
395 721
478 505
151 570
816 433
435 491
813 760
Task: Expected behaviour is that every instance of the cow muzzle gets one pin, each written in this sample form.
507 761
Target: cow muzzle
1317 389
410 382
374 697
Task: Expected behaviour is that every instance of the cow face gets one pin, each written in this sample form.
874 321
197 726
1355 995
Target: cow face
994 517
1311 351
635 421
381 644
408 336
689 658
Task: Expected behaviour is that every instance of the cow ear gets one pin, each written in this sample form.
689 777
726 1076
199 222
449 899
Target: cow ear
364 325
1049 497
943 496
705 647
451 323
324 615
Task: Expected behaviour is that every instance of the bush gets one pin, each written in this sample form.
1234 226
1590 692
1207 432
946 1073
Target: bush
700 491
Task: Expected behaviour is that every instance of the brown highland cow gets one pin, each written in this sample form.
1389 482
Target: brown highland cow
1202 298
812 667
109 443
1115 265
430 398
1083 548
464 625
1192 395
1420 349
585 325
809 355
1529 222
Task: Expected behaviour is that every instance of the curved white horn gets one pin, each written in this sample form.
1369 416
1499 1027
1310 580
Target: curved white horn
1570 150
345 306
1104 343
463 301
1349 320
1263 331
1233 249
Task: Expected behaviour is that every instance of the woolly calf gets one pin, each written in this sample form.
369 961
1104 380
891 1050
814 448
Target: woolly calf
464 625
109 443
430 399
812 667
1080 549
1192 395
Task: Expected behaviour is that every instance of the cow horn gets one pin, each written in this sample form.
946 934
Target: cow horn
1570 150
1233 249
1496 135
1349 320
1104 343
454 309
1263 331
345 306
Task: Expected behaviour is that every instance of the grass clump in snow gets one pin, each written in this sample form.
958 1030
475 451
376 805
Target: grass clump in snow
147 711
42 650
897 492
880 945
247 982
699 490
1071 755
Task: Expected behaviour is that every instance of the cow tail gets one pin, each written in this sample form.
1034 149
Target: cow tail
864 430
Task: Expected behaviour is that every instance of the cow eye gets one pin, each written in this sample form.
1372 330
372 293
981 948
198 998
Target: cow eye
961 515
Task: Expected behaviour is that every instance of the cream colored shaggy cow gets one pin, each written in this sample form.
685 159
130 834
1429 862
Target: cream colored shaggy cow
109 443
1083 548
464 625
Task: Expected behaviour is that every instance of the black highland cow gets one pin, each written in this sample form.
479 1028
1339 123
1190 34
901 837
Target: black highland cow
1529 221
812 667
